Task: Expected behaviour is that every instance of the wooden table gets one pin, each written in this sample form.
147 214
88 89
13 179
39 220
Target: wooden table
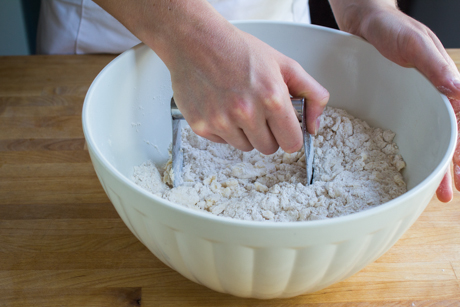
63 244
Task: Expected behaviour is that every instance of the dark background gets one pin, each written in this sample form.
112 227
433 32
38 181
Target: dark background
441 16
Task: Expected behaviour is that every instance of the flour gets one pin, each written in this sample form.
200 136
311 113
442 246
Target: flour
356 167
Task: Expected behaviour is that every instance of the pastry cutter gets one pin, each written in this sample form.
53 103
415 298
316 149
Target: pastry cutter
299 105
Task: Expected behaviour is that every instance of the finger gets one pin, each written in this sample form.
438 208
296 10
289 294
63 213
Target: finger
301 84
456 160
238 139
282 122
444 191
216 139
457 176
212 137
203 129
262 139
254 127
260 135
220 129
442 50
431 62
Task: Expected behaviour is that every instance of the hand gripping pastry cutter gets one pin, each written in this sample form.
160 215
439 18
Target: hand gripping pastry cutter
299 105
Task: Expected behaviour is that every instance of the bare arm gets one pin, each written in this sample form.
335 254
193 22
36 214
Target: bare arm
408 43
231 87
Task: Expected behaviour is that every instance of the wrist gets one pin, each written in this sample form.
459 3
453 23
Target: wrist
354 16
195 34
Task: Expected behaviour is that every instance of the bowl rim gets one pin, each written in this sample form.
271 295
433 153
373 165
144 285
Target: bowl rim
442 166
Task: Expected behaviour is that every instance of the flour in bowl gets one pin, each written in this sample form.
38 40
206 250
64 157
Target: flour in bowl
356 167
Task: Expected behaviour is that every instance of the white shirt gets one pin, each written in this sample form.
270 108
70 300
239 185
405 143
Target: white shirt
81 26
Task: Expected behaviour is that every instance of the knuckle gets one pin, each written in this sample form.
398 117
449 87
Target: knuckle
242 110
294 65
447 71
291 67
442 76
274 102
323 97
427 32
200 128
318 97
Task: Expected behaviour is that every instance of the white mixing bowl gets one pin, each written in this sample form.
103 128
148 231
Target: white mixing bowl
126 121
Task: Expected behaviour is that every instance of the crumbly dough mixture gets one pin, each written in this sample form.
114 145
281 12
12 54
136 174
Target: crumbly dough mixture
356 167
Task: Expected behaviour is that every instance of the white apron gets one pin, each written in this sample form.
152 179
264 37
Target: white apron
81 26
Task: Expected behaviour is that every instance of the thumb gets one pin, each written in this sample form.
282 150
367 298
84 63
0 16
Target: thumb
301 84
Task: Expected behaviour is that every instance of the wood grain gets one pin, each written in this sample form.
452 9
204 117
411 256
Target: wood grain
93 297
63 244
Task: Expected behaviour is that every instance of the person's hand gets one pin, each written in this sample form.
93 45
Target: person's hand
231 87
236 89
408 43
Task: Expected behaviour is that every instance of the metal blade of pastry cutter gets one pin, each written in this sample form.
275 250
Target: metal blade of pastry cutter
177 153
299 105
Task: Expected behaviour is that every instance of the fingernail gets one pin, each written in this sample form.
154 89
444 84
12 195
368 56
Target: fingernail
318 124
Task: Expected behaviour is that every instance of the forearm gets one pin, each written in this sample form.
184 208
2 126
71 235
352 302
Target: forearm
352 15
170 27
230 86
